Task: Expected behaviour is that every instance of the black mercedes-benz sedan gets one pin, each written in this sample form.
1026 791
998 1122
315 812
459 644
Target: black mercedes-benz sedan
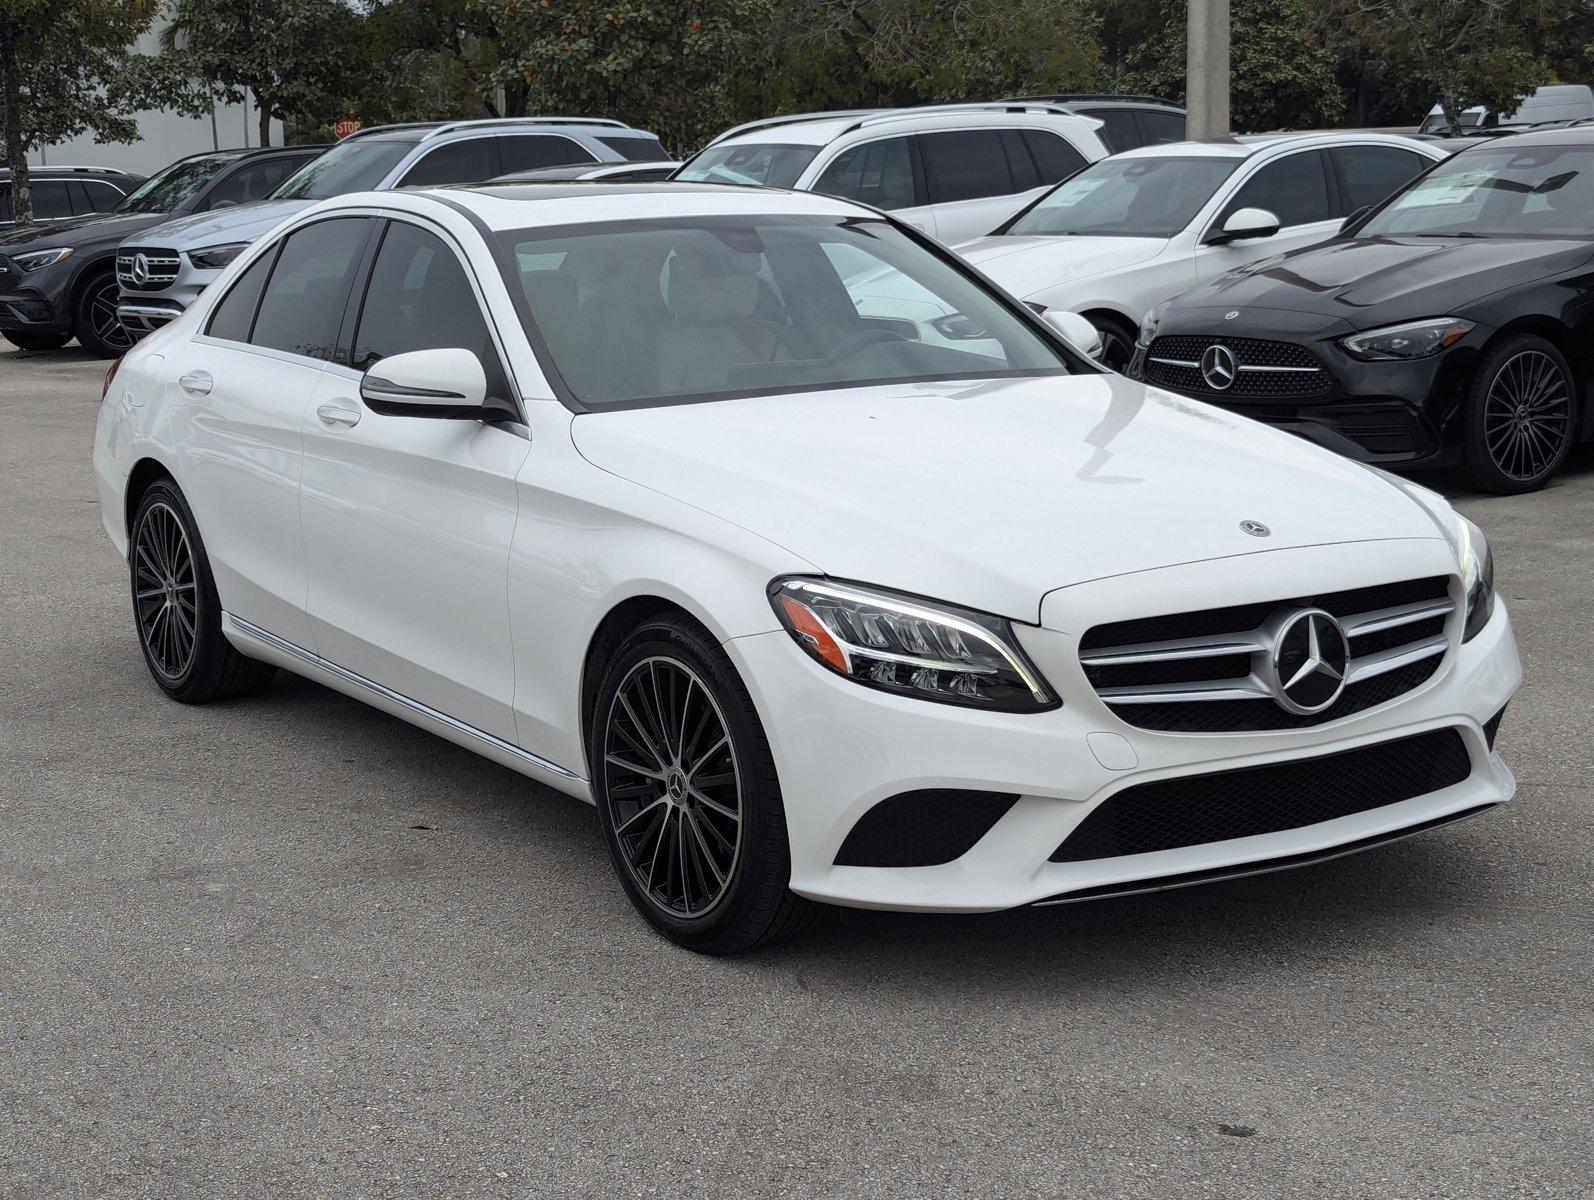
1453 323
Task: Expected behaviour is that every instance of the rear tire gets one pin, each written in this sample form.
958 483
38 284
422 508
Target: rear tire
99 330
175 607
687 793
1519 416
35 341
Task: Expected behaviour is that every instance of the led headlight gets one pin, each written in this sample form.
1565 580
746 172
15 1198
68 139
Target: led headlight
35 259
1149 323
910 646
1477 577
1417 339
214 258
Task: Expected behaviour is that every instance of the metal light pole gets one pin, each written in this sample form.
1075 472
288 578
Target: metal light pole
1207 69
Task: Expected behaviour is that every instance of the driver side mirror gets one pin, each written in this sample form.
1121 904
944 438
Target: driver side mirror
1076 331
426 383
1245 223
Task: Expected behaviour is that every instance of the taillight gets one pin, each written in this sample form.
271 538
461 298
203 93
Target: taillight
105 388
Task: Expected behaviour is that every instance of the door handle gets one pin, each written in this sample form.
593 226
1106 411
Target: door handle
335 415
196 383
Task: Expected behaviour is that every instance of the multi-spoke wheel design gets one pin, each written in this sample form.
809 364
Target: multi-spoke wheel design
97 326
165 591
1527 415
673 786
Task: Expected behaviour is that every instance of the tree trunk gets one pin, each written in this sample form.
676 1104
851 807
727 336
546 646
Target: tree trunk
16 154
265 119
1447 101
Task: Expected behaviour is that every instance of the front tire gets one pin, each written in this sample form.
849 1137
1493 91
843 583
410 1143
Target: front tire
1519 416
176 609
23 340
1117 341
99 330
687 793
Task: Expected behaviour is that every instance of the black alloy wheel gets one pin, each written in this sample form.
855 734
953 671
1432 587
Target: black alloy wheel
99 330
1520 416
1117 342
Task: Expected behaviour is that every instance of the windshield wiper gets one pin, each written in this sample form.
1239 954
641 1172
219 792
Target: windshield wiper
1448 235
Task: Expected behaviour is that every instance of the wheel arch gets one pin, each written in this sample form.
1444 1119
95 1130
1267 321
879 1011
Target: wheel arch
1577 356
145 471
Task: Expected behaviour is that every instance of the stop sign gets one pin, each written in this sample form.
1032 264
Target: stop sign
347 126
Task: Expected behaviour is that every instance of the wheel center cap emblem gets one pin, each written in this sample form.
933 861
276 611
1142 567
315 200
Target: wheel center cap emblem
1309 661
676 786
1218 367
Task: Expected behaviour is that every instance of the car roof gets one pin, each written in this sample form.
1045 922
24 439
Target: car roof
428 131
1568 135
822 128
1251 144
579 171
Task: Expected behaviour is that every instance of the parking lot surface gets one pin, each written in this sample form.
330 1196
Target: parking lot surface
292 946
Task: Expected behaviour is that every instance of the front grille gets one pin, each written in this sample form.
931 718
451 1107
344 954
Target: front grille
1224 805
162 266
922 829
1207 671
1265 368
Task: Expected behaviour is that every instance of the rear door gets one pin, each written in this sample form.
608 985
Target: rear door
1297 188
469 160
408 520
975 180
883 174
245 382
524 152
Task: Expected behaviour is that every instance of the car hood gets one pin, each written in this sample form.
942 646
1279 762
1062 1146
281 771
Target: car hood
1378 281
243 223
79 233
1026 265
992 493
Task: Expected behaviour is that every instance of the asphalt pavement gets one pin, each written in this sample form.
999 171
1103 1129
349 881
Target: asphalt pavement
294 947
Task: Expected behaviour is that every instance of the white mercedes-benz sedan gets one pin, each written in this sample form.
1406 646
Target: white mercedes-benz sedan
618 486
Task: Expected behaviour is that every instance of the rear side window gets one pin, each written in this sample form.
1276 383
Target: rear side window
235 315
419 298
1055 157
876 173
1369 175
1020 163
1292 188
303 304
469 161
545 150
965 164
636 148
1162 127
1118 129
250 182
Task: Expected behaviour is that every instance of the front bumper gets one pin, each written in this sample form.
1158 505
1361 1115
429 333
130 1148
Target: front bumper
32 312
146 308
841 749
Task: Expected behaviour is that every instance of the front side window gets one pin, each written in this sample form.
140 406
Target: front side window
636 147
761 164
302 307
419 298
716 307
50 199
526 153
1055 157
965 164
468 161
95 196
168 190
357 166
234 317
1370 174
1292 188
876 173
250 182
1118 129
1498 191
1127 197
1162 127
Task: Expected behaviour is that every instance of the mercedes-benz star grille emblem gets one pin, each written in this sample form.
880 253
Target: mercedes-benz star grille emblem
1255 528
1308 663
1218 367
1229 316
140 269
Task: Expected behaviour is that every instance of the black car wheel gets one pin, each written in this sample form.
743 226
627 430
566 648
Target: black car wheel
176 609
687 793
1117 342
99 330
1519 417
36 341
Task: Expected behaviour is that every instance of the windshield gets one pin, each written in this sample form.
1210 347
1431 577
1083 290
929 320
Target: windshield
352 167
1502 191
1471 118
1127 197
170 189
761 163
650 311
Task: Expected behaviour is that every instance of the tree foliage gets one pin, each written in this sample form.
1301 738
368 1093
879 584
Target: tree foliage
63 73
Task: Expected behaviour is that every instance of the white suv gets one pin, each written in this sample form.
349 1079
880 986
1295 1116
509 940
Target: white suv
161 271
1122 236
951 171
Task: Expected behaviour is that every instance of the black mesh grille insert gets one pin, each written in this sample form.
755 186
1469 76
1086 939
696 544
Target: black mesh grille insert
922 829
1253 800
1306 378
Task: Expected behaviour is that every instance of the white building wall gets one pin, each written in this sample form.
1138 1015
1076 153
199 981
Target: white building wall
163 136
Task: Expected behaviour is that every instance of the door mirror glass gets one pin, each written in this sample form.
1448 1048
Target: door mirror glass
1249 223
1076 331
426 383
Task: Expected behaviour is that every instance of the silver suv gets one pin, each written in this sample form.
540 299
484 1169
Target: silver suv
161 271
953 171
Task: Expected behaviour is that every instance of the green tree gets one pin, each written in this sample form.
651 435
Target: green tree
292 55
1282 75
1456 52
65 71
435 58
